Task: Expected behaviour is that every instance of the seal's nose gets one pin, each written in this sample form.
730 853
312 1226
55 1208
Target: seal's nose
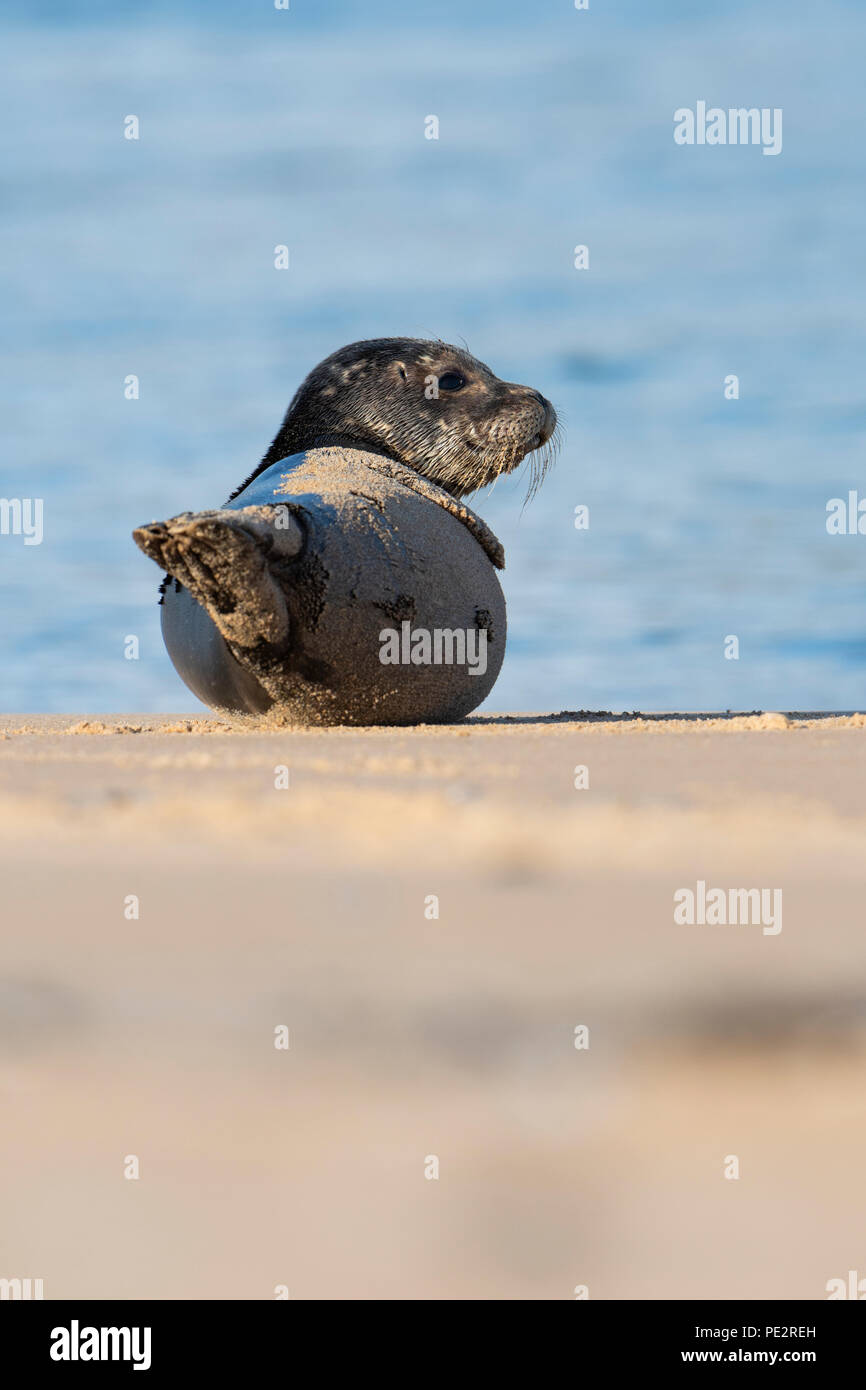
548 420
549 423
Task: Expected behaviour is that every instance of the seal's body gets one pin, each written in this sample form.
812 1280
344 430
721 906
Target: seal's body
382 547
345 582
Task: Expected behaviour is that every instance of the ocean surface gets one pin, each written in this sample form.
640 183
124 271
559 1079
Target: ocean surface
305 127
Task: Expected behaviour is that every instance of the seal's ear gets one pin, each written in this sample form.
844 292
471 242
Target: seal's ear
400 369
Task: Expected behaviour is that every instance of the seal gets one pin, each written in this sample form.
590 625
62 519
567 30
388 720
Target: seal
344 581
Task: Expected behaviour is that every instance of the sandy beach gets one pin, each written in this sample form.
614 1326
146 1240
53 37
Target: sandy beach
312 907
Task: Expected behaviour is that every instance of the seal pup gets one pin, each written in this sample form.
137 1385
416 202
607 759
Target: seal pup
344 581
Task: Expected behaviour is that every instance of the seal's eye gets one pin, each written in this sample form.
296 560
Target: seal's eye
451 381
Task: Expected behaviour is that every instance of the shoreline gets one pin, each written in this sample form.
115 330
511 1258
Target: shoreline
432 913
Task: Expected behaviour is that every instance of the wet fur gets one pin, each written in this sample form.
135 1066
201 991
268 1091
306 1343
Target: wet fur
375 394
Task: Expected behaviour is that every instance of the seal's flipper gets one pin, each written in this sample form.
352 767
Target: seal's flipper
222 558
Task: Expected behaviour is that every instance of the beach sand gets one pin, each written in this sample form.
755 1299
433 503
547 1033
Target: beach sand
412 1036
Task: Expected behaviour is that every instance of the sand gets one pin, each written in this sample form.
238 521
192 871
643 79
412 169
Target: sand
414 1037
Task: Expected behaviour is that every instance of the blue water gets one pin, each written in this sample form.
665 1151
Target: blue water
259 127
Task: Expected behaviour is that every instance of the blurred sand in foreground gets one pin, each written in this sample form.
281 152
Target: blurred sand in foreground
413 1036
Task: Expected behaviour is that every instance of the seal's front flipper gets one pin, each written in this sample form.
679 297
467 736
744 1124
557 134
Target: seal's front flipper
224 559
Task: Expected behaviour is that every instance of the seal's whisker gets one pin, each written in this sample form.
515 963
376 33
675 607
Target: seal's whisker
540 462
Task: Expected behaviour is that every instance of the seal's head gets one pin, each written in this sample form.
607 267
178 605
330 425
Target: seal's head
427 404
